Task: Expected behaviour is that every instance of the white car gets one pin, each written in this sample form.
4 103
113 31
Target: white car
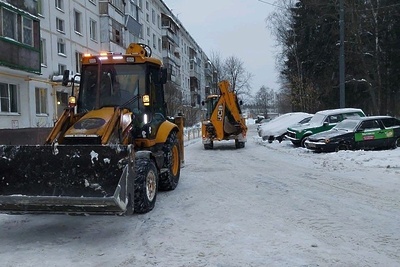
276 129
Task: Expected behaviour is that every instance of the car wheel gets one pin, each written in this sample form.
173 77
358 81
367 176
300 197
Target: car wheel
296 143
303 141
341 147
396 143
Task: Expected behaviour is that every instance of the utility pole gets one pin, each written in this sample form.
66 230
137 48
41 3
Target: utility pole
341 57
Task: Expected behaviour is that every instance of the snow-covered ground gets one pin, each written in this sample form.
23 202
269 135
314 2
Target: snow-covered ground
264 205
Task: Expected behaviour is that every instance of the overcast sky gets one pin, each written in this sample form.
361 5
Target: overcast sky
233 28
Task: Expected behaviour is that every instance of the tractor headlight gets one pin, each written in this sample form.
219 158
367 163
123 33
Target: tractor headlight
146 100
72 101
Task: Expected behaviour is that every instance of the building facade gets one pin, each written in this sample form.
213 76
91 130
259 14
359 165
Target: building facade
44 38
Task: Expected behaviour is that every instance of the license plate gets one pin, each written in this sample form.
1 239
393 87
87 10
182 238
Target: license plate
311 145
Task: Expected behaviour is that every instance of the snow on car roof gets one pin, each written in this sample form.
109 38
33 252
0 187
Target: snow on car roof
339 110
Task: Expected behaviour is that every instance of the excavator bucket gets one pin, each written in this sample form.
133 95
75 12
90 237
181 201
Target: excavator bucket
78 179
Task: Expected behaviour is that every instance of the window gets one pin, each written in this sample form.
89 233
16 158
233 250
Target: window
78 60
43 55
141 4
147 5
148 31
119 4
60 25
27 31
77 22
134 10
61 47
60 4
17 26
93 30
8 98
147 17
154 41
40 7
153 16
41 100
9 24
116 32
334 118
61 69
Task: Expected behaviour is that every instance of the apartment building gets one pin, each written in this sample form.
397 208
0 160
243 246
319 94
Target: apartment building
47 37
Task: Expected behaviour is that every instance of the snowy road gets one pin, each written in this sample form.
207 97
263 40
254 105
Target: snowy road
264 205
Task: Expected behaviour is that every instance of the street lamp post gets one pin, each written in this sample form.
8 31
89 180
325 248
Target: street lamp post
341 57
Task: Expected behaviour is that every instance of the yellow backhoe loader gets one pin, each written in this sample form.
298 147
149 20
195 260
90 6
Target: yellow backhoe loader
110 151
224 120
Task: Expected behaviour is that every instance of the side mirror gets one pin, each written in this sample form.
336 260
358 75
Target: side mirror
65 79
240 102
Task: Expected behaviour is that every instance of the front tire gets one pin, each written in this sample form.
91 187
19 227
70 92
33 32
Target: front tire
341 147
146 185
172 162
303 141
396 143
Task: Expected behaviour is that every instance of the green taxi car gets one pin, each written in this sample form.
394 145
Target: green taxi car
322 121
368 133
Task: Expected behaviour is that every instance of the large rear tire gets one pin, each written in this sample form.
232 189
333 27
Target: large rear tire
172 162
146 185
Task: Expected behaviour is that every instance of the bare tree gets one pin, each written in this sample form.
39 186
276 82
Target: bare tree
173 98
237 75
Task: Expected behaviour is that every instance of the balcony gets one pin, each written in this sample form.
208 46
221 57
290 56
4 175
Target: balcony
171 36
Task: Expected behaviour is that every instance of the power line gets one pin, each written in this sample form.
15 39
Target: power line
265 2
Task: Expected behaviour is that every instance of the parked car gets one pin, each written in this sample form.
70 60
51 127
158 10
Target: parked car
259 119
375 132
276 129
262 122
322 121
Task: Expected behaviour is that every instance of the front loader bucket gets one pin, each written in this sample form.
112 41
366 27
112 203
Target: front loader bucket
84 179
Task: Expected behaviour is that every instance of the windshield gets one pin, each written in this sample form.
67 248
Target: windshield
118 84
317 119
348 125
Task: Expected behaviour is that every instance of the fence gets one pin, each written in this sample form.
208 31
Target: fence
192 133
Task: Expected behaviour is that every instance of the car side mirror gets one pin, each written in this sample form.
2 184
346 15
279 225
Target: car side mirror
65 79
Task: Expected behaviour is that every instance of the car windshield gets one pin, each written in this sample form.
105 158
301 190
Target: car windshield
348 125
317 119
